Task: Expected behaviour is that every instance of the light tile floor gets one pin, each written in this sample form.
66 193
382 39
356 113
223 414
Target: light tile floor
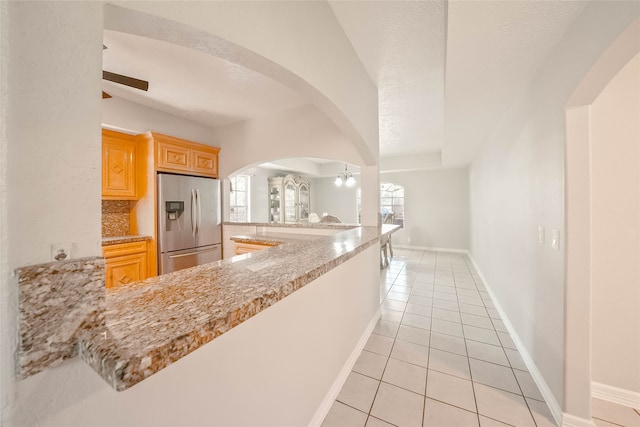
441 356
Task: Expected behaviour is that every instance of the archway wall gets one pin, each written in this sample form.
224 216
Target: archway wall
298 132
615 231
582 218
517 184
299 44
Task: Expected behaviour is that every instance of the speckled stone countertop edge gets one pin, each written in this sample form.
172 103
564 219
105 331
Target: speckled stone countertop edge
271 239
122 369
300 225
256 240
108 241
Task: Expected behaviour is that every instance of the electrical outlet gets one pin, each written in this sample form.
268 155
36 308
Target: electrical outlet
408 239
555 239
540 234
60 251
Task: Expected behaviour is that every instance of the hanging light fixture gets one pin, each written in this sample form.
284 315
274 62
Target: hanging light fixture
345 178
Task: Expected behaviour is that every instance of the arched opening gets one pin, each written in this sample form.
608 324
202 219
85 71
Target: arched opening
579 187
265 194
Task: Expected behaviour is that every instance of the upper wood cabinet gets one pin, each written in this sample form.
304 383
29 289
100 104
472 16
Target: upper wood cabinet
118 166
178 155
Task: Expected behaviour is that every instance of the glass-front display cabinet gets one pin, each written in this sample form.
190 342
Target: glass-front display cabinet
289 199
275 196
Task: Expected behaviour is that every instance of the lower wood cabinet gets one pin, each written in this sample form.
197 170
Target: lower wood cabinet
243 248
125 263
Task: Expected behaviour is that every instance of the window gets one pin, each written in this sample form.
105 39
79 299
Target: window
392 202
239 198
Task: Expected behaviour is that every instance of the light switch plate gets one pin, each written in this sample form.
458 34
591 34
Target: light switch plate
555 239
540 234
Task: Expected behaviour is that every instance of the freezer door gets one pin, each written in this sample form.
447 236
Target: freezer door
174 261
209 223
176 230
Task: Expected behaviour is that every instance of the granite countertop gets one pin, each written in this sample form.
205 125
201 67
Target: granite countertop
115 240
272 239
297 225
144 327
388 229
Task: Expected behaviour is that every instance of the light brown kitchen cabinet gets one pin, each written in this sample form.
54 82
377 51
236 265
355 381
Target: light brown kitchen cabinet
243 248
118 166
182 156
125 263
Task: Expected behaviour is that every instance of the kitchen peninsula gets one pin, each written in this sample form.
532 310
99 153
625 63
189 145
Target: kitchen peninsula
150 324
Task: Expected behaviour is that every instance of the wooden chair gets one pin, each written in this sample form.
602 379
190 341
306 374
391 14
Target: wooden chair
330 219
389 219
386 250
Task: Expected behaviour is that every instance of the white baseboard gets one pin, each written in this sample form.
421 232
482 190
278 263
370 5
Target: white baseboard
429 248
569 420
615 395
553 404
331 395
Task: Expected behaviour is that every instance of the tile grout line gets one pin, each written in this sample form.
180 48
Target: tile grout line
387 362
473 388
511 368
424 402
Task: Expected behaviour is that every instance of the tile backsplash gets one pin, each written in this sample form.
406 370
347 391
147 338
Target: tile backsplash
115 218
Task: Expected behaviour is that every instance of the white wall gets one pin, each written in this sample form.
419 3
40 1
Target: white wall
54 146
258 373
51 134
337 201
615 228
297 132
135 118
517 184
436 208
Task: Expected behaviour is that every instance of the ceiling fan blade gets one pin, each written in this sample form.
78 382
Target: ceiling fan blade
105 95
126 80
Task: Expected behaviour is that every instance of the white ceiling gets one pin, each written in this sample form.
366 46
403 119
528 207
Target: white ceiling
447 72
401 44
191 84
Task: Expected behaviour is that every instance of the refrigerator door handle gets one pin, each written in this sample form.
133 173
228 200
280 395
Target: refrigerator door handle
193 213
199 203
191 253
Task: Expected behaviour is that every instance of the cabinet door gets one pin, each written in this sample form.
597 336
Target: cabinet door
205 163
118 169
290 202
125 269
173 157
274 204
303 202
243 248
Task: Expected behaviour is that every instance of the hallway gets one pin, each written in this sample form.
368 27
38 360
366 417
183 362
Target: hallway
441 356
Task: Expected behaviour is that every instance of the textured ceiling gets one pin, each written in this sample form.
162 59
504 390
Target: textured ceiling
191 84
401 44
447 72
494 49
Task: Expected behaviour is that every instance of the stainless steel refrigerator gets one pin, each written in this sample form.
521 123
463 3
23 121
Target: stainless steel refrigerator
189 221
